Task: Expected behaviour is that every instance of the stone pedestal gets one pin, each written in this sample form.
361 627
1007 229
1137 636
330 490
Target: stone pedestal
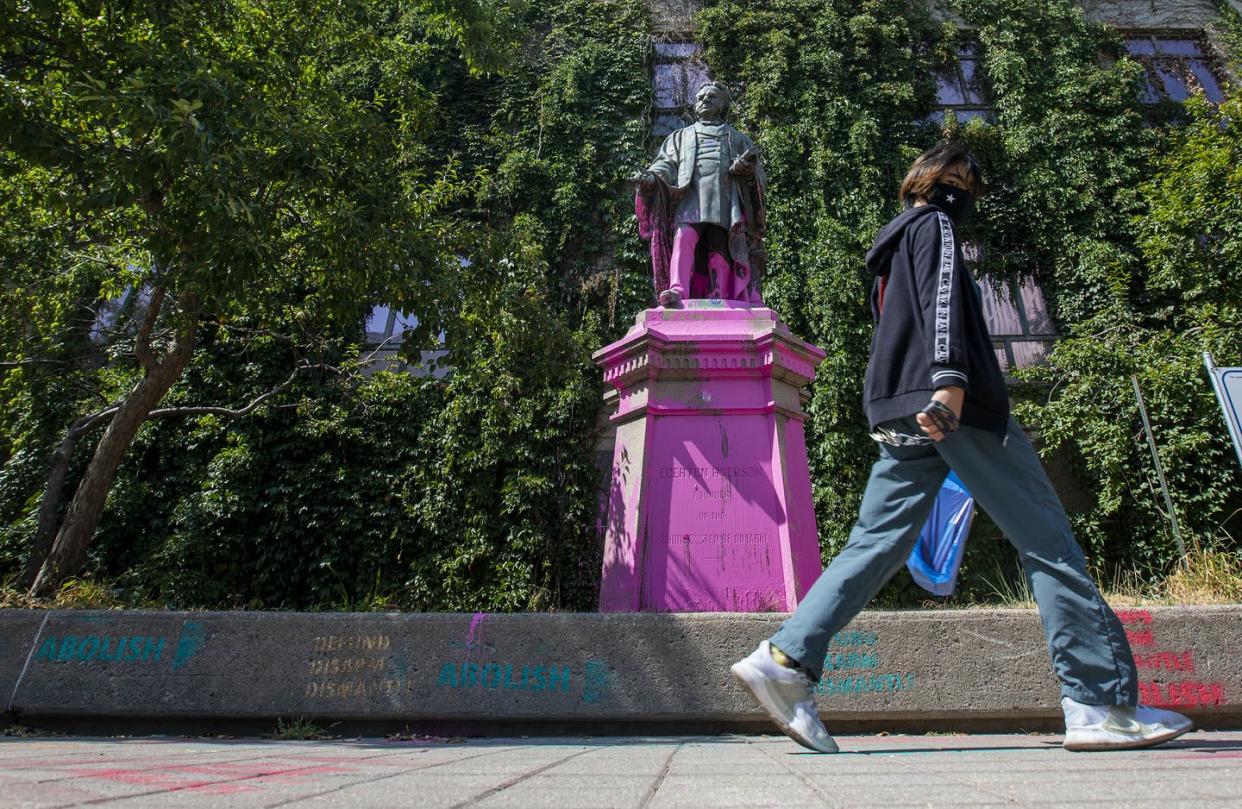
710 501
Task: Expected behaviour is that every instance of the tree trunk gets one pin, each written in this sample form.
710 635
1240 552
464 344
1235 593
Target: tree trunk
68 551
54 494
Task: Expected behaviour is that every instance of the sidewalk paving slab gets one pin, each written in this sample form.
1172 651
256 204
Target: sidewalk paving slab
1203 769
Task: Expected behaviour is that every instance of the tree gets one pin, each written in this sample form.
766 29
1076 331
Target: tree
230 162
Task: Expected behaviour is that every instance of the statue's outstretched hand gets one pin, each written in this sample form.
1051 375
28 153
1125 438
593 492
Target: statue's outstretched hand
745 165
645 180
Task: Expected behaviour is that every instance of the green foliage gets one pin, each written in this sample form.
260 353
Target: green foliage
504 491
297 506
1134 233
833 93
1070 143
477 491
226 148
294 168
251 165
1186 300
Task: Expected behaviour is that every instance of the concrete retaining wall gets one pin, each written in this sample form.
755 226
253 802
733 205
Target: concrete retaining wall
888 670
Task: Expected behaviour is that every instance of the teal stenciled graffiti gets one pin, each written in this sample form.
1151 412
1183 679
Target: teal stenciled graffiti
553 679
559 679
599 678
851 671
855 638
865 684
848 661
148 649
193 636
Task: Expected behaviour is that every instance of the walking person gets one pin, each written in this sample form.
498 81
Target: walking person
936 400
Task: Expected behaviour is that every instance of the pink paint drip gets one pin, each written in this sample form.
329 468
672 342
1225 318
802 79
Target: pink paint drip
474 635
476 626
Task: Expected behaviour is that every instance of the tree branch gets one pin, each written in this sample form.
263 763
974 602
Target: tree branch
248 408
142 343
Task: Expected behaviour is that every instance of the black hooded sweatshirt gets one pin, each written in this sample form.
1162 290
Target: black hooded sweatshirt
929 327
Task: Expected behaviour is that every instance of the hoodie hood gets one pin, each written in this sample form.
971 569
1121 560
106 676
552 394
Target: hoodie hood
879 257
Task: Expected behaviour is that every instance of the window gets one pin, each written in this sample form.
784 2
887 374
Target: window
1017 317
385 329
679 71
960 87
1175 68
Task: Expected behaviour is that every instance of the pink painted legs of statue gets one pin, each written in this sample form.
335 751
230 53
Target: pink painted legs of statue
721 280
681 277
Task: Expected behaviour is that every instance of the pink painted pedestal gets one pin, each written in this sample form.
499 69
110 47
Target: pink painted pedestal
710 504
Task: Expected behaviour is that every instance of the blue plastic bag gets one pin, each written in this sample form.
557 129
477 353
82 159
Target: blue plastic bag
937 554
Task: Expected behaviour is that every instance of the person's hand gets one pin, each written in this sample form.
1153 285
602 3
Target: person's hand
951 397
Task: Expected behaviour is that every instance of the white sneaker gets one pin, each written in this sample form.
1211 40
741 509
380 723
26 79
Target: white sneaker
1116 727
786 694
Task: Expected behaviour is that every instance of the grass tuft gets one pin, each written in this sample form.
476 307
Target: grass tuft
1207 577
299 729
75 594
86 594
24 732
1006 590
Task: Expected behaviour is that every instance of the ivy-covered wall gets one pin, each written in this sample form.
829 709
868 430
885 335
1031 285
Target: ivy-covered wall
1086 198
478 491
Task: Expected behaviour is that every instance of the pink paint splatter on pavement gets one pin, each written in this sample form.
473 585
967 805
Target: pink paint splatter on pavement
213 779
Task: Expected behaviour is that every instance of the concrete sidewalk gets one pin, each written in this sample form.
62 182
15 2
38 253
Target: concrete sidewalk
1203 769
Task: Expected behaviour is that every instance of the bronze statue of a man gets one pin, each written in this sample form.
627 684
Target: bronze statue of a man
701 205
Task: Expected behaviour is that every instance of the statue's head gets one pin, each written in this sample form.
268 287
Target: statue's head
711 102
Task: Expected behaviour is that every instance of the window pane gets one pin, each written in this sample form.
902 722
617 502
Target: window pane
1150 94
998 309
1002 358
669 83
970 71
947 89
377 323
108 315
676 83
1037 317
1174 87
969 115
677 50
1028 353
1207 81
1178 47
696 77
403 322
1140 47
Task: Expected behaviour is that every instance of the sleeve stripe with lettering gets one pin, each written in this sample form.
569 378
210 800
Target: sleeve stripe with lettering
944 288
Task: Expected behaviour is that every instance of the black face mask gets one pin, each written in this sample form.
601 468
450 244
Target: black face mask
956 202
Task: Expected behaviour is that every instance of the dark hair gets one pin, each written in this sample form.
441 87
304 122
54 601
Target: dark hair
926 169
